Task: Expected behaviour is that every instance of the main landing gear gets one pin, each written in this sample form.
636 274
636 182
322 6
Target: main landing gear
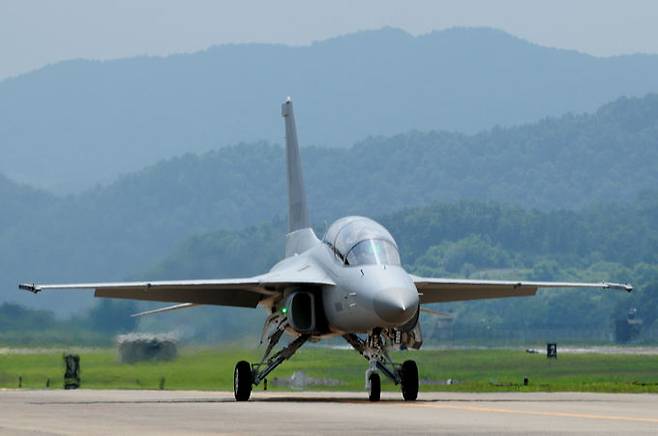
242 379
247 375
374 350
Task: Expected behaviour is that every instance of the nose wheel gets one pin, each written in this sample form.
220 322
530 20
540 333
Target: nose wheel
374 387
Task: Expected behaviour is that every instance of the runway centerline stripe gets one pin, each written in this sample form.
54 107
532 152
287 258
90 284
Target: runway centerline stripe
537 413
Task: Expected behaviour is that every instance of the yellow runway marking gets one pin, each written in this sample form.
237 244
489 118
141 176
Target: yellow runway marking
537 413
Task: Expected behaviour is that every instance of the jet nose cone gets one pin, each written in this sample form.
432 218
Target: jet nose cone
396 306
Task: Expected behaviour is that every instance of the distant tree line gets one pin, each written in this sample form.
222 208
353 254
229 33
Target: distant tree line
465 239
21 326
482 240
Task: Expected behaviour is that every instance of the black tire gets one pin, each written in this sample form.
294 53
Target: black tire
374 387
242 378
409 376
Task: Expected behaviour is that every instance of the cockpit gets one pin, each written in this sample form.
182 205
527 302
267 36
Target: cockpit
356 240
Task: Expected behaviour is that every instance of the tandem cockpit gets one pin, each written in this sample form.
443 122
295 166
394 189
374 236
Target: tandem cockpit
356 241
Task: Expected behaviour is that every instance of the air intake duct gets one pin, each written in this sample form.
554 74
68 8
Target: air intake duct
301 311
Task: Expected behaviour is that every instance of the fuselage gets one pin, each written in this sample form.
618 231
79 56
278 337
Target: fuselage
372 291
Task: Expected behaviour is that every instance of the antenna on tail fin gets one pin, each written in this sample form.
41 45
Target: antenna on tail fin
297 210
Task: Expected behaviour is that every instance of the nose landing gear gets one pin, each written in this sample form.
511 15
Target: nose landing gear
374 350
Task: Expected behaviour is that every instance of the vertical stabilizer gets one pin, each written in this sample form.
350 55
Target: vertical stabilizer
297 210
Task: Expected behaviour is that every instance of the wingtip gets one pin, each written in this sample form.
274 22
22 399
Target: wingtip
623 286
31 287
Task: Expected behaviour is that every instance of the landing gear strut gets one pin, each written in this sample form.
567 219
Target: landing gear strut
374 350
247 375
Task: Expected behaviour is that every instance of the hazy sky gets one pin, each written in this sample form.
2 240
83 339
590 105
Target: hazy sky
35 33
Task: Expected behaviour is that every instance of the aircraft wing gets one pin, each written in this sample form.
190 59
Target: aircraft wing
242 292
439 290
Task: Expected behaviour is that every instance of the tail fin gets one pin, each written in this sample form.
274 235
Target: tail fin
297 210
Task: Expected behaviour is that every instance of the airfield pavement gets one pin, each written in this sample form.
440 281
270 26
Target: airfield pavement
189 412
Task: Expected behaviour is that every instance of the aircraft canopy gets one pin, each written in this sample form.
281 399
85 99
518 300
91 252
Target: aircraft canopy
361 241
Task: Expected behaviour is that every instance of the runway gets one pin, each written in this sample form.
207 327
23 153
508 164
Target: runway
192 412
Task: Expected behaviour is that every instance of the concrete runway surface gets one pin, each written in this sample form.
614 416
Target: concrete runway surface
185 412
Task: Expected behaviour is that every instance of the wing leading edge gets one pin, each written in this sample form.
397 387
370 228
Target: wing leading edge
438 290
244 292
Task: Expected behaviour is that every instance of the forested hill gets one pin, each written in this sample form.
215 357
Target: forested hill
72 124
18 202
464 239
111 232
477 240
485 237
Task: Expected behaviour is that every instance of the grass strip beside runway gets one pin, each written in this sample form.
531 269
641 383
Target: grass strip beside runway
469 370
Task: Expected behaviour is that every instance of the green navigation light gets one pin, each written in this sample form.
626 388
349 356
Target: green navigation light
284 310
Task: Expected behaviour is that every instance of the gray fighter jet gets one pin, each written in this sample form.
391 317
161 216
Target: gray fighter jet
350 283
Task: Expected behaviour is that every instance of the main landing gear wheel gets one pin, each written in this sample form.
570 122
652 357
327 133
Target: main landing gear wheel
409 377
374 387
242 379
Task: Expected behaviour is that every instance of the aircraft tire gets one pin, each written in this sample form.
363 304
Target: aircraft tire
242 378
409 376
374 387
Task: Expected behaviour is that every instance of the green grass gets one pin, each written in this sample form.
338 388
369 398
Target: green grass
473 370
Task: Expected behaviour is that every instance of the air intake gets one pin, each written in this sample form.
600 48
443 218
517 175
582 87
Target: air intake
301 311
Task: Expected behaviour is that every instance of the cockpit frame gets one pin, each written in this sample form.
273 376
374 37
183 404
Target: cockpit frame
347 234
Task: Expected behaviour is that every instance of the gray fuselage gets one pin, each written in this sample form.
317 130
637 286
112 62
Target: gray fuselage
365 297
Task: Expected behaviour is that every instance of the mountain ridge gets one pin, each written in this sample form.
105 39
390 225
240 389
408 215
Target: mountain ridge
111 232
71 125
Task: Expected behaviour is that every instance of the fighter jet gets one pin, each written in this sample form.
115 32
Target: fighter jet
350 283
